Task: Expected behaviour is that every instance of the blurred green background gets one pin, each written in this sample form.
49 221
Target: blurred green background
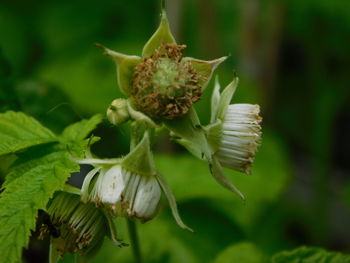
293 58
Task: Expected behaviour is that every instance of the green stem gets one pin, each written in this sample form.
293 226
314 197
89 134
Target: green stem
134 240
136 133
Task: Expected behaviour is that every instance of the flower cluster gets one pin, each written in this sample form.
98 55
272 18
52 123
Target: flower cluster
161 87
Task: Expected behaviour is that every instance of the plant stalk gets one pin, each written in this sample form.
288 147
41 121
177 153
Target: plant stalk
134 240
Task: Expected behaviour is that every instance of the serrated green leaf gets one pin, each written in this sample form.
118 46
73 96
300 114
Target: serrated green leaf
19 131
310 255
79 130
73 136
6 161
241 252
29 159
27 192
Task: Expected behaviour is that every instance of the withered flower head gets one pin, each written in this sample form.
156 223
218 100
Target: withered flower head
165 85
162 84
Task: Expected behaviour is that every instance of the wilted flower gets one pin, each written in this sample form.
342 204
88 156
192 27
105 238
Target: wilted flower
74 226
129 186
162 83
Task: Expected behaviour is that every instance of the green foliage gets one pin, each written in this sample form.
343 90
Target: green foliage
36 174
24 195
73 136
310 255
19 131
78 131
241 252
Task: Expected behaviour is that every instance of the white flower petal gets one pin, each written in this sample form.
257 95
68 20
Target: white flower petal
130 191
240 137
114 183
86 184
147 198
126 193
97 189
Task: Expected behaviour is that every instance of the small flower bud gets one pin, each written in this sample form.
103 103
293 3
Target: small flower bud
117 112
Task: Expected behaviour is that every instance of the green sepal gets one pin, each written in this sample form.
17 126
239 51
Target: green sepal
225 98
140 159
87 180
80 130
215 100
71 189
214 134
162 35
205 68
172 202
190 146
189 129
219 175
140 117
125 68
112 233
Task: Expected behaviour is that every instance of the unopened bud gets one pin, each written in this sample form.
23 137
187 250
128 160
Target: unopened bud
117 112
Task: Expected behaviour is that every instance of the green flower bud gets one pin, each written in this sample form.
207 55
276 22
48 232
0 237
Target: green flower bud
164 85
117 112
